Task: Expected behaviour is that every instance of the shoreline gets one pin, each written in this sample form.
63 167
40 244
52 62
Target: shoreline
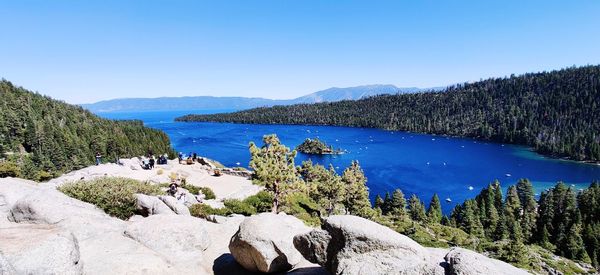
546 155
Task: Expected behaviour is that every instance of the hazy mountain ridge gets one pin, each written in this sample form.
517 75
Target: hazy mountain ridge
240 103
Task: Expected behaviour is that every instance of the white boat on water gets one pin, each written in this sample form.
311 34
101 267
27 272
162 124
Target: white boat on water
448 200
470 188
508 175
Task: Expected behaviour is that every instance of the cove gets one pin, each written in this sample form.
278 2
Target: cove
415 163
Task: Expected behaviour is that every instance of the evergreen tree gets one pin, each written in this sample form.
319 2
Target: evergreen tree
434 213
273 165
486 201
387 203
470 219
416 209
574 247
357 194
332 191
516 252
512 209
529 208
379 202
398 204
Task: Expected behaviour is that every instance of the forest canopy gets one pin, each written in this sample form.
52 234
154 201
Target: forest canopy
557 113
41 138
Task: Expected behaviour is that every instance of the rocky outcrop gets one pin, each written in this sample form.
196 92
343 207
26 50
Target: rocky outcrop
151 205
174 205
466 262
353 245
265 242
179 239
38 249
42 231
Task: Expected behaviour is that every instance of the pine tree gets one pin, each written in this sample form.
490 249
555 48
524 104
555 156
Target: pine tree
331 190
529 208
470 219
575 248
357 194
398 204
516 252
379 202
512 208
434 213
416 209
273 166
387 203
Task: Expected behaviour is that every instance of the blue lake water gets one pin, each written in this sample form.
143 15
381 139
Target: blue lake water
416 163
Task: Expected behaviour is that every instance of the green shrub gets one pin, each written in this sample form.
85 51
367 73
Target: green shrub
239 168
240 207
9 169
262 201
44 176
192 188
208 193
203 210
302 207
113 195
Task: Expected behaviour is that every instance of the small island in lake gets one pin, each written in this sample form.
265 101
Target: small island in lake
317 147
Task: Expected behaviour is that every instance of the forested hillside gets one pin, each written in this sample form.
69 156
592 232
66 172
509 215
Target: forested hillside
557 113
41 137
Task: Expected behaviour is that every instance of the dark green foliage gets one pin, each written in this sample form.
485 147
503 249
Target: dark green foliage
203 211
416 209
9 169
434 212
316 147
489 215
529 208
556 112
397 204
325 186
357 193
240 207
113 195
208 193
47 137
262 201
303 207
379 202
273 165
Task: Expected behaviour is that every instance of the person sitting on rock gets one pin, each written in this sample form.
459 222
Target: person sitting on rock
151 162
172 188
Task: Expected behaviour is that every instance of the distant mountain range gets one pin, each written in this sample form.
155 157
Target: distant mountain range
241 103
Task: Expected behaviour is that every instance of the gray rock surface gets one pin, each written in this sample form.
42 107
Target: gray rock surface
49 206
38 249
113 253
179 239
43 231
264 242
176 206
466 262
151 205
353 245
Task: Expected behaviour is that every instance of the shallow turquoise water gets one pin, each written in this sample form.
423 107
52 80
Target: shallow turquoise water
416 163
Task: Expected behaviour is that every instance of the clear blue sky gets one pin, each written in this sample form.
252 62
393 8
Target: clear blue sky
85 51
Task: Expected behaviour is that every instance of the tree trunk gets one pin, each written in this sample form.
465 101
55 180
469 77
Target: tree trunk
275 207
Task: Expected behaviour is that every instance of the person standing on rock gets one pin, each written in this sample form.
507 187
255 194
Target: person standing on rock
151 161
98 158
